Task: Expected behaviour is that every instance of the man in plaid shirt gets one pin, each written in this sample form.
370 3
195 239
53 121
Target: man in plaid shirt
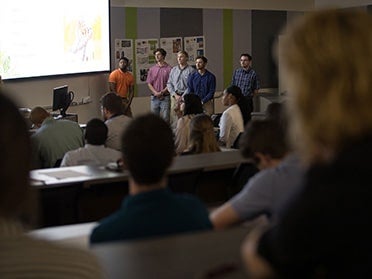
246 78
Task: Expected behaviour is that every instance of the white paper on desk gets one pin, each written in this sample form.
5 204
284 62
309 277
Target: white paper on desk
62 174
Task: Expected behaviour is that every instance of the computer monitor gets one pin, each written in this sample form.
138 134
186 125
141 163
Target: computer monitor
62 99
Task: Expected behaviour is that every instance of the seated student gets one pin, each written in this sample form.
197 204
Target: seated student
325 231
151 209
53 138
280 175
202 138
94 152
190 106
115 120
231 122
20 255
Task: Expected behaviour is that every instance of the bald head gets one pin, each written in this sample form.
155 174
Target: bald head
38 115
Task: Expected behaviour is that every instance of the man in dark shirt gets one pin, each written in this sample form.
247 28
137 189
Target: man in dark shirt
203 83
151 209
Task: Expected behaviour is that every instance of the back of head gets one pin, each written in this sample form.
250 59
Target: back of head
96 132
38 115
193 104
112 102
148 148
276 112
14 160
202 137
266 137
327 72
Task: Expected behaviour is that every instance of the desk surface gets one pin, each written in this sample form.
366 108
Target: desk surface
194 255
57 177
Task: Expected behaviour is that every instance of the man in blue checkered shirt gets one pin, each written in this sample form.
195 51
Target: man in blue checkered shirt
246 78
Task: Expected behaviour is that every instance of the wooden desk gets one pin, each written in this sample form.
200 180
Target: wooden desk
194 255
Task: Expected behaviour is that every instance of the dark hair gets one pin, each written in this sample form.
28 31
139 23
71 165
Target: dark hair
96 132
112 102
148 148
161 50
242 102
276 112
235 91
15 160
205 60
124 58
193 104
247 55
264 136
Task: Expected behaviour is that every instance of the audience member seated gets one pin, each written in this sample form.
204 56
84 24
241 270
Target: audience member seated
202 138
94 152
116 121
20 255
151 209
231 122
325 232
280 175
190 106
53 138
276 112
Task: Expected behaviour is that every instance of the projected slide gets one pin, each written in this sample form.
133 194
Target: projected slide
43 38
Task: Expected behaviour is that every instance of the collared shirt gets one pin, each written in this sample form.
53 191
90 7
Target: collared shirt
202 85
269 189
154 213
53 139
123 81
177 82
247 81
231 125
116 126
98 155
158 76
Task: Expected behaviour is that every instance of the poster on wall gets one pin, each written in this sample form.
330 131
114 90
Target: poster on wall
194 46
171 46
145 57
124 47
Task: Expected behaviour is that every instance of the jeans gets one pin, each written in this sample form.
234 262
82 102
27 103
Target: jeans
161 107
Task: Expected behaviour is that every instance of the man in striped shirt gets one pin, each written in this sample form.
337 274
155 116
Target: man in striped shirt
246 78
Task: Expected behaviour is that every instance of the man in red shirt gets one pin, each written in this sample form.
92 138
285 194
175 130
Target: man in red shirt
121 81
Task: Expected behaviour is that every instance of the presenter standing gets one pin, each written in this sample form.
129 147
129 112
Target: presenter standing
203 83
246 78
121 81
177 82
157 79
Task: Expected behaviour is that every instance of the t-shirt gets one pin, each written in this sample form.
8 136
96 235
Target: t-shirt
123 81
154 213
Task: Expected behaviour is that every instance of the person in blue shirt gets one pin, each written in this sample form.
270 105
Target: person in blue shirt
202 83
151 209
